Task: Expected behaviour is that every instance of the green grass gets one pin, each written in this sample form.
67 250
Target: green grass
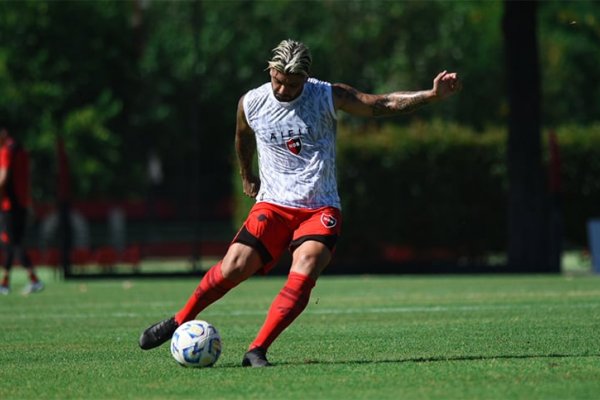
365 337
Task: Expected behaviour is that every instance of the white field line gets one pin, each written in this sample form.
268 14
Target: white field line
413 309
315 310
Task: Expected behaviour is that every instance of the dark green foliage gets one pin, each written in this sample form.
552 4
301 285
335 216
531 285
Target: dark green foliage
122 79
569 37
580 178
68 68
432 186
428 186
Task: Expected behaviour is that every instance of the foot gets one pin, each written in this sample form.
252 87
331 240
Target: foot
158 333
33 287
256 357
4 290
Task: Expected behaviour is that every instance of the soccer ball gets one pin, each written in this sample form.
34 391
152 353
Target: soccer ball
196 344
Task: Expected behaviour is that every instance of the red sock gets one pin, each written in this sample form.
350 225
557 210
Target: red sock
212 287
5 280
288 304
32 276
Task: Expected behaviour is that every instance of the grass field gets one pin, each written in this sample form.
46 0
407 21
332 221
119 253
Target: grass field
363 337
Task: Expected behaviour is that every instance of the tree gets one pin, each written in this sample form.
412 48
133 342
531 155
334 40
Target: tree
527 210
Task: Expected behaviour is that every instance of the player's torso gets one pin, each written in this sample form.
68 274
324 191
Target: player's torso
296 146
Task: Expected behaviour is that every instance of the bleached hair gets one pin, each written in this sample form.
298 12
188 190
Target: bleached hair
291 57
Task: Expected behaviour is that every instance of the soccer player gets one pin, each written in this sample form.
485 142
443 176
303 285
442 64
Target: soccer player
291 123
15 202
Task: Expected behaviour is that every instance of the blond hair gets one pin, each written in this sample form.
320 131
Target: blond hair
291 57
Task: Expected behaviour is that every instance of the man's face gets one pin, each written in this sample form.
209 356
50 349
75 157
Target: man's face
286 87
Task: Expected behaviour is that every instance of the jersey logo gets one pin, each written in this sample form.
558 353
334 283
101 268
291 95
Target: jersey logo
328 220
294 145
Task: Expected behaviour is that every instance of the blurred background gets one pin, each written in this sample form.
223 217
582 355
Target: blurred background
128 111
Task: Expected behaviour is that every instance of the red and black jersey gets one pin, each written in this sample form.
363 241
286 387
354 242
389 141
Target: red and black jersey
15 159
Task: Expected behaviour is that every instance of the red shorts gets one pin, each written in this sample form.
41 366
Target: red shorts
271 229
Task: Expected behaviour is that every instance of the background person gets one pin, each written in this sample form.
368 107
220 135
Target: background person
15 200
291 122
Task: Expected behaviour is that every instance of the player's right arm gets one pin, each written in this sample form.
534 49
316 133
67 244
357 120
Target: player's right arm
245 147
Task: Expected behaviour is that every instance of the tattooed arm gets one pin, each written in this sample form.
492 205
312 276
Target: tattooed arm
245 147
375 105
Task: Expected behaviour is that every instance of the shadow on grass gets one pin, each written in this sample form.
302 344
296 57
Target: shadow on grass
445 359
429 359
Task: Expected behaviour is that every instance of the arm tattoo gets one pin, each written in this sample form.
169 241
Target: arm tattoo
380 106
347 94
377 105
399 103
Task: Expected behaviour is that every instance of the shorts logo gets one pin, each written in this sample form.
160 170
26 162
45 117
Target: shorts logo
294 145
328 220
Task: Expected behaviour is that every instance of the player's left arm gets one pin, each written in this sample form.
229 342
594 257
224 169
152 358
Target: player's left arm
355 102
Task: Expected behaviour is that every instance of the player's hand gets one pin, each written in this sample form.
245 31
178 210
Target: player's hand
445 84
251 185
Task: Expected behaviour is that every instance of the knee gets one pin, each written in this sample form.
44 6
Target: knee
306 261
239 265
309 264
233 266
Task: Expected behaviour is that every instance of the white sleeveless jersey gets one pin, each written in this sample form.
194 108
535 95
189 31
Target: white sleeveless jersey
296 145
